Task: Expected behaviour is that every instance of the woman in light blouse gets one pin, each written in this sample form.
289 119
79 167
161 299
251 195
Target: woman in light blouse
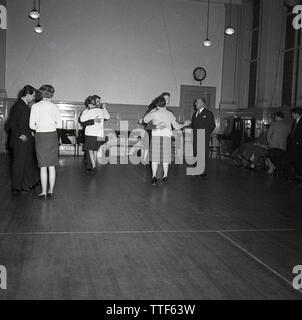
165 120
45 119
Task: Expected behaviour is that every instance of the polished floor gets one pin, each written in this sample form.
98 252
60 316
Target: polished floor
236 235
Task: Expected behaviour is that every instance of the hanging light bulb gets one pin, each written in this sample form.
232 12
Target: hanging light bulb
38 27
208 42
34 14
229 31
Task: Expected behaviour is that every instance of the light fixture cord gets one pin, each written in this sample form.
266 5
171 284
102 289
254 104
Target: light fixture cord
230 14
39 11
208 18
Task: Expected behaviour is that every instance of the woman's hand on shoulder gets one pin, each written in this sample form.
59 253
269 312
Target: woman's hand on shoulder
97 120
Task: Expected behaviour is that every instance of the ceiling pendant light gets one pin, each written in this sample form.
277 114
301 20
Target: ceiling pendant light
34 14
229 31
38 27
207 42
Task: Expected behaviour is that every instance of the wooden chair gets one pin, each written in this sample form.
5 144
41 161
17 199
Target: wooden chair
215 147
68 137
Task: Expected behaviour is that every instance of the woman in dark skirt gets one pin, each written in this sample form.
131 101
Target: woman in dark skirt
45 119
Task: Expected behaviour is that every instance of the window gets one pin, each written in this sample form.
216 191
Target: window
292 47
255 36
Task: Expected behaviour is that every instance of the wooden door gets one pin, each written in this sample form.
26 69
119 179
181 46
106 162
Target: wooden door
188 94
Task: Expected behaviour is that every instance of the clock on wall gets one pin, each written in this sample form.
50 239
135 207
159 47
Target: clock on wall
199 74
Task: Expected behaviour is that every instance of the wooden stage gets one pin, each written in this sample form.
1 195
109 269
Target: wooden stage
236 235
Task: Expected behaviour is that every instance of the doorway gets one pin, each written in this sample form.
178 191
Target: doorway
188 94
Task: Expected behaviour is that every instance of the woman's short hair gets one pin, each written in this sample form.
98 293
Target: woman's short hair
160 102
90 100
47 91
165 94
96 97
27 90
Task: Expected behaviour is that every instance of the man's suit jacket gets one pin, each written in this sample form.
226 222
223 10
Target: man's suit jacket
278 134
19 122
205 120
295 138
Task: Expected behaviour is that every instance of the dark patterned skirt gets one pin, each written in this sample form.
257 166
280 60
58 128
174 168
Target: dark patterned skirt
94 143
47 149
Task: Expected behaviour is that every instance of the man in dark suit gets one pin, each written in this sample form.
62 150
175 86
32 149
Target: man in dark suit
25 173
202 119
293 157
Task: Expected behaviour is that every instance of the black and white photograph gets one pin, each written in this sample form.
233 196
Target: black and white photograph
151 153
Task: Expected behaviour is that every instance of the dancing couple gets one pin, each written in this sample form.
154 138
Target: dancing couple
161 137
162 121
34 138
92 120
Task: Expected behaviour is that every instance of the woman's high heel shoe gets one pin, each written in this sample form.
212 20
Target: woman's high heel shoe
50 196
42 196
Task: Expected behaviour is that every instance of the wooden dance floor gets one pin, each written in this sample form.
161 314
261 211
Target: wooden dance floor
236 235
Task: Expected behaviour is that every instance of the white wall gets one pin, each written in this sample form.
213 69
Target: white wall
126 50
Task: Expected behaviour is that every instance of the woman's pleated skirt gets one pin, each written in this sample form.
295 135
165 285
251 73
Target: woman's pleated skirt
47 149
161 149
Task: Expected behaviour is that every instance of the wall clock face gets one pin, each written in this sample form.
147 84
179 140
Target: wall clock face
199 74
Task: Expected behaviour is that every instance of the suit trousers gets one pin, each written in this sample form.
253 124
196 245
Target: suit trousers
276 156
207 149
24 169
292 163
